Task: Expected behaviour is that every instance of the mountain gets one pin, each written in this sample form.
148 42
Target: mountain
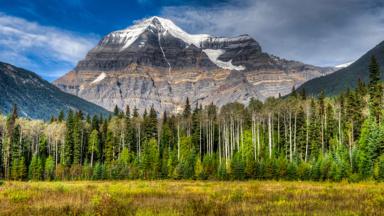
35 97
154 62
347 77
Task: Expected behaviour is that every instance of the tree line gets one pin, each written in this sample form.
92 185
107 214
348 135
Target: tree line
295 138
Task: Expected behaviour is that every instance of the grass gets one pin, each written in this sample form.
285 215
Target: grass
191 198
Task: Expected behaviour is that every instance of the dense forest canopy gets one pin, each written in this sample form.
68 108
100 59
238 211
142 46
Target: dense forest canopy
297 137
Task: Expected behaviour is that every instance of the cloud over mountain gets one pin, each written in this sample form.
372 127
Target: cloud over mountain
324 32
23 42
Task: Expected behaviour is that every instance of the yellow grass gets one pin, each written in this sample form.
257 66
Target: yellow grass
191 198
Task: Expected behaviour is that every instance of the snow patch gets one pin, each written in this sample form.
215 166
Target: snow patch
344 65
162 51
24 113
214 55
128 36
99 78
177 32
142 44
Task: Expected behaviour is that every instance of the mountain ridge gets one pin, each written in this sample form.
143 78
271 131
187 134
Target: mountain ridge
36 97
346 78
156 62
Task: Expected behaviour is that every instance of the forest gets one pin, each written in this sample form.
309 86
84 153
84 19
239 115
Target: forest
296 137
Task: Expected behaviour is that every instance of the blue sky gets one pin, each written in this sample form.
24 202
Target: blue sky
50 36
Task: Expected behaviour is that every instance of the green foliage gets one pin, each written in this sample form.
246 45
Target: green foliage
150 163
375 90
18 171
321 139
93 147
49 171
98 172
36 168
238 167
379 169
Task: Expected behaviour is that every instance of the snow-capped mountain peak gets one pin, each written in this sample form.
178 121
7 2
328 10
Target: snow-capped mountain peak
136 37
154 62
164 26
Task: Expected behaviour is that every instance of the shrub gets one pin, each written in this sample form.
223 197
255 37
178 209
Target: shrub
291 171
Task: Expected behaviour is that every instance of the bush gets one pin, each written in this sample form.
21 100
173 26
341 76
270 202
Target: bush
98 172
238 167
222 172
291 171
304 171
353 178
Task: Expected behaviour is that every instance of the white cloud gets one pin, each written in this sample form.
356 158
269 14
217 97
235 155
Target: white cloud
34 46
321 32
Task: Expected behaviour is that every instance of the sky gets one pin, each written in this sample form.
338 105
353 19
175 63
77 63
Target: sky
49 37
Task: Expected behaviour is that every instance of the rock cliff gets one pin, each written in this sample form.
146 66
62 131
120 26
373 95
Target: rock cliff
154 62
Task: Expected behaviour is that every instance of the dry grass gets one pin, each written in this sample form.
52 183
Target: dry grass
191 198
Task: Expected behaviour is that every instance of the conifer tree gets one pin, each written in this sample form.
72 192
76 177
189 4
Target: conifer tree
60 118
116 111
77 139
49 168
109 148
68 142
375 90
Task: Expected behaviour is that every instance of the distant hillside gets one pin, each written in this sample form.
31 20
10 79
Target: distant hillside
347 77
35 97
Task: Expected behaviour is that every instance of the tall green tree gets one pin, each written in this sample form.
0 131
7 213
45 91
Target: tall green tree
375 90
93 146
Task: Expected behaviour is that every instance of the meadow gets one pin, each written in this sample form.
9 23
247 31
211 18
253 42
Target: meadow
191 198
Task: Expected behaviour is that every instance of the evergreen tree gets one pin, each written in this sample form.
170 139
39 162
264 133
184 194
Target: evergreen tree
375 89
60 118
49 168
68 141
77 139
116 111
150 124
109 148
36 168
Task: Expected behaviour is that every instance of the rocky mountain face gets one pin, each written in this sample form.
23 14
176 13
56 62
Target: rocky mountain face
346 78
154 62
35 97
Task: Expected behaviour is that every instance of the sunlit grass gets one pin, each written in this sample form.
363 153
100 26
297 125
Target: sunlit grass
191 198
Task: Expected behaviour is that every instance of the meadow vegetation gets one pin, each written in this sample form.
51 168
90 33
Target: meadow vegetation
167 197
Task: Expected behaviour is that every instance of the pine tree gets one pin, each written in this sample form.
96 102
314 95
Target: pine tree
68 141
187 117
9 141
60 118
150 124
116 111
375 89
109 148
22 169
294 92
36 168
49 168
314 131
77 139
187 109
